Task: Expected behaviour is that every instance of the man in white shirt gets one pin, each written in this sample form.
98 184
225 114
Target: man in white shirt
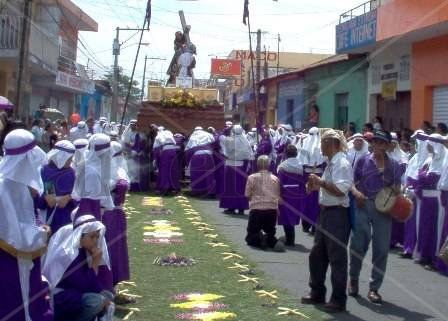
333 230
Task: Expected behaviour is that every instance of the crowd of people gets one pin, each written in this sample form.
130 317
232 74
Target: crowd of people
64 231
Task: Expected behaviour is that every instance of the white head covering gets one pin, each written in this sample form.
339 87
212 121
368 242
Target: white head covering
199 137
93 176
78 132
417 161
20 169
61 152
81 146
164 137
311 144
65 244
352 154
398 154
438 159
237 147
23 159
119 168
229 124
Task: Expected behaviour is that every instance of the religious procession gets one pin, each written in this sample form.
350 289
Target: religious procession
260 184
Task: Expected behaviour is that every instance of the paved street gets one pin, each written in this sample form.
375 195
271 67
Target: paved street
410 292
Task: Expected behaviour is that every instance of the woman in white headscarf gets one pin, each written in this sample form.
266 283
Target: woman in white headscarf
77 268
199 157
429 217
165 154
22 241
92 185
238 153
59 178
115 220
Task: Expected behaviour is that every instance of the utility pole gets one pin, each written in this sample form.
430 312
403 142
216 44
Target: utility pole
116 52
143 80
258 57
278 52
144 75
23 57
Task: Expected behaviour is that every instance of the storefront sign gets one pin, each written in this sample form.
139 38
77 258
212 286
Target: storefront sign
389 85
246 55
226 67
357 32
76 83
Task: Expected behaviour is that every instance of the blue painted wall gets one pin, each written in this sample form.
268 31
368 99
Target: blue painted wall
291 90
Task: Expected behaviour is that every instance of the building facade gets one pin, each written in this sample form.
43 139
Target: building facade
407 44
53 77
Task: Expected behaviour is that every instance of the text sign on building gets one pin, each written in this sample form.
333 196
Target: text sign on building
357 32
226 67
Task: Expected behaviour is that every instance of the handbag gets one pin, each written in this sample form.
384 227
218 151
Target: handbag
443 255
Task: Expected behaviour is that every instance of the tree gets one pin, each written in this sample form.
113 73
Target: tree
123 85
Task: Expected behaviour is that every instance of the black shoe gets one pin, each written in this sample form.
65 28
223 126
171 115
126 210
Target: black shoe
229 211
430 267
405 255
240 212
332 307
309 299
374 297
353 288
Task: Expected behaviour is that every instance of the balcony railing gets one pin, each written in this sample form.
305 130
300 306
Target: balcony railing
361 9
10 31
44 46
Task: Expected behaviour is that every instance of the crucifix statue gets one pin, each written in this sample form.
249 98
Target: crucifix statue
183 61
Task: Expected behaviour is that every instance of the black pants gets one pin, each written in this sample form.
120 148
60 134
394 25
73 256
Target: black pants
330 248
261 221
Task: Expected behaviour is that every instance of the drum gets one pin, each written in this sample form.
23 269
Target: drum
398 207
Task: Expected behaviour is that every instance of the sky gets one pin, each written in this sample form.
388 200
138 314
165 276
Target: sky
216 29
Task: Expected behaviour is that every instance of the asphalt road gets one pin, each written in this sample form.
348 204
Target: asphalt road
409 291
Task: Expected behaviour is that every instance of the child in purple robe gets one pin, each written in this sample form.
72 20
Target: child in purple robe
292 194
59 178
78 269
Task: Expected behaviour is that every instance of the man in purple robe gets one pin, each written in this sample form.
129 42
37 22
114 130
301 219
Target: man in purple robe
165 154
238 153
414 166
199 159
372 173
22 241
115 220
429 219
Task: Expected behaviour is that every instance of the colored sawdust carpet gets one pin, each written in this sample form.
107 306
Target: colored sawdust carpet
222 284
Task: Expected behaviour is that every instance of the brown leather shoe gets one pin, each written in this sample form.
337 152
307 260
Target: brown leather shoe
332 307
309 299
353 288
374 297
